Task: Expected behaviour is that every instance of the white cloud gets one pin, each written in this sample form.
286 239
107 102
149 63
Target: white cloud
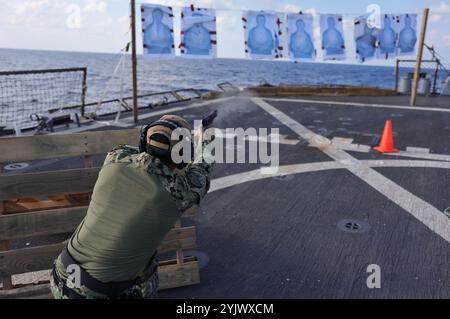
446 41
124 19
312 11
103 23
94 6
29 6
438 25
34 13
44 24
441 7
439 12
290 8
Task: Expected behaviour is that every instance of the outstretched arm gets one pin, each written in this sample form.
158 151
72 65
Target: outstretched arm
189 188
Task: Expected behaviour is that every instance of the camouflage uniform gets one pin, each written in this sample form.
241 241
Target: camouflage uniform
145 287
137 199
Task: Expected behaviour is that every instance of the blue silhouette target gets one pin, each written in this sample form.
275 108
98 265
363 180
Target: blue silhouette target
387 37
198 33
301 37
407 37
365 40
260 39
333 43
398 35
157 25
262 34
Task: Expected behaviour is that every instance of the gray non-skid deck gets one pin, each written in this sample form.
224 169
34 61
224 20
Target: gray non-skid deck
279 237
275 238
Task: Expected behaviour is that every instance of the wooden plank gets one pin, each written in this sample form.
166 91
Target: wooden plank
190 212
170 274
20 206
76 199
28 205
64 145
179 253
179 275
46 204
88 161
28 292
4 246
48 183
2 243
28 259
40 258
42 223
179 238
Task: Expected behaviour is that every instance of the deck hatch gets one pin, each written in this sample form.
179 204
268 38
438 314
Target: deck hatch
353 226
283 177
447 212
16 166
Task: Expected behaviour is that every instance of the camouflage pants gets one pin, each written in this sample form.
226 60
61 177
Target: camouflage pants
145 288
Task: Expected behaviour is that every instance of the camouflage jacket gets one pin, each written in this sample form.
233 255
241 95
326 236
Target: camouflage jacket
187 187
136 201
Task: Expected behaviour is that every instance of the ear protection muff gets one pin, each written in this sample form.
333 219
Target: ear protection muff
143 139
144 132
160 140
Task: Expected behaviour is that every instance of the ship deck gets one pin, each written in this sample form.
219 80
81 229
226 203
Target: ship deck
335 206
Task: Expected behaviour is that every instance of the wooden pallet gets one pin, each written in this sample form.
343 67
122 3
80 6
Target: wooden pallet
55 202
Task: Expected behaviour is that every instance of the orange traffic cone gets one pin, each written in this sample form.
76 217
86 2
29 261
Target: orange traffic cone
387 141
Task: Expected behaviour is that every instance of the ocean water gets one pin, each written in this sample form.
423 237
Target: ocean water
181 73
162 75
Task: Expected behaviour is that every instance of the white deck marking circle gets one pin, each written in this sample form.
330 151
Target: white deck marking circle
421 210
249 176
255 175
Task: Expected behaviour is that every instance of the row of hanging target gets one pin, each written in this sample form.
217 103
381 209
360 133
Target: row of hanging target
264 35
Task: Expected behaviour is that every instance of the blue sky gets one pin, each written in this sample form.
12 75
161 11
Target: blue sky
101 25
